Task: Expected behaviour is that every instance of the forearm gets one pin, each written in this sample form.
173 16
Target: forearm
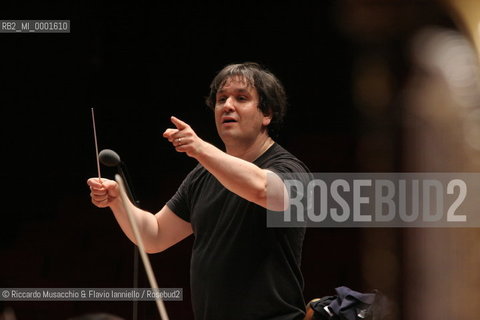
239 176
146 223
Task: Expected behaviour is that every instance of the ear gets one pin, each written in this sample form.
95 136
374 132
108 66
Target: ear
267 118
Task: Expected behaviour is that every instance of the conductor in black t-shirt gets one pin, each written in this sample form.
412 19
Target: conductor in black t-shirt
240 268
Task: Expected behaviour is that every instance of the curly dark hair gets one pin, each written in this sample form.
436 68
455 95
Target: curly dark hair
273 100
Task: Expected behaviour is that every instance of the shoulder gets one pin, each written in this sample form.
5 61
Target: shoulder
279 159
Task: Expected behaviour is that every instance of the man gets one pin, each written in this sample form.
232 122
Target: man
240 269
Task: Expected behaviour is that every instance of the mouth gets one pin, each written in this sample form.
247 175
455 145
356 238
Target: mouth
228 120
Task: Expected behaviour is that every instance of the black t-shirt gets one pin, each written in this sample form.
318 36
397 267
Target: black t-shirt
240 269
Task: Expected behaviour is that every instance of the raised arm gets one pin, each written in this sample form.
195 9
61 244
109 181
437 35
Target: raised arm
159 231
242 177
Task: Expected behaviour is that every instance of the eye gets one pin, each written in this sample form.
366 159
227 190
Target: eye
242 98
221 99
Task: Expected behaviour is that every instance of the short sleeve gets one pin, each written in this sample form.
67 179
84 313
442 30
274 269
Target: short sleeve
180 202
293 172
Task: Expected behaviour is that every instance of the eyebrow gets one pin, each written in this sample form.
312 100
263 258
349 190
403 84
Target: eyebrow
236 91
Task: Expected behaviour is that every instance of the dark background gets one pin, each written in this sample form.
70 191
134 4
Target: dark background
137 64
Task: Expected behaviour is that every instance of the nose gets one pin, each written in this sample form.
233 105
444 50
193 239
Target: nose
228 106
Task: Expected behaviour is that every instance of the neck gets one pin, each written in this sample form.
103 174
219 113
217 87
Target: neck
250 151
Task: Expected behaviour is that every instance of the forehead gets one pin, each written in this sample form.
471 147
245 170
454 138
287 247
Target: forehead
237 83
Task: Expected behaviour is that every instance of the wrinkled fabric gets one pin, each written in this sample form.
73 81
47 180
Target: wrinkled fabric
350 303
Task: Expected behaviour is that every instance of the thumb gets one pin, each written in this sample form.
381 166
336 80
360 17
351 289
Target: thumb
169 132
111 187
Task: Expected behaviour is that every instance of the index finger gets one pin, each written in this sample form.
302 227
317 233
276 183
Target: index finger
178 123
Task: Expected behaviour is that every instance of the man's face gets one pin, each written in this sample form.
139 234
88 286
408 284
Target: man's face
237 115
